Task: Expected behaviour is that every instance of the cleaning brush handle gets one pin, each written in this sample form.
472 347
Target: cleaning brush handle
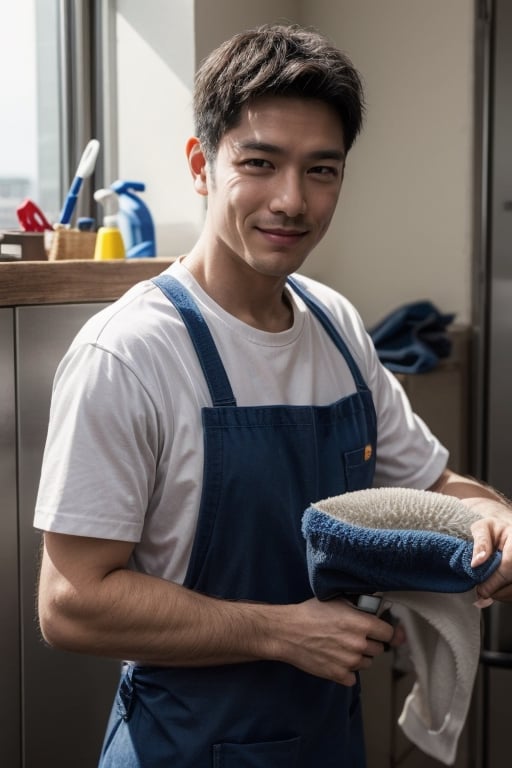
85 169
367 603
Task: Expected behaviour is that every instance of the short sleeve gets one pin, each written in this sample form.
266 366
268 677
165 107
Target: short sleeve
100 457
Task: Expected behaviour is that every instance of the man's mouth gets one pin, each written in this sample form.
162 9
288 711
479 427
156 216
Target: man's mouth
282 234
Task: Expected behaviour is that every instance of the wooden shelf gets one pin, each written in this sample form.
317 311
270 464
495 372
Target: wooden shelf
64 282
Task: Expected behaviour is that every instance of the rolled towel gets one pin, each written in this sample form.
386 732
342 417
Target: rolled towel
384 539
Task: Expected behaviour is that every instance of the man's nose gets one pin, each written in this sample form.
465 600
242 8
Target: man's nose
289 195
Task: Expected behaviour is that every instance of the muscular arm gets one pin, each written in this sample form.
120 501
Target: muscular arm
493 532
90 602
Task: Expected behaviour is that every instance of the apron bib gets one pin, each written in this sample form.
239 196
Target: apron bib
264 465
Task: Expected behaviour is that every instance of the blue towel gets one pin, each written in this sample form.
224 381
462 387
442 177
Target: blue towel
344 558
413 338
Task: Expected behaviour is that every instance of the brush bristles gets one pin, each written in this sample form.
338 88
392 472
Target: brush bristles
401 509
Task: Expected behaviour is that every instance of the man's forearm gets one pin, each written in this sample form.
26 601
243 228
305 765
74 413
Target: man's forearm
133 616
90 602
468 489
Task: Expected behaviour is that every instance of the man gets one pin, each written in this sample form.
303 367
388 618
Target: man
194 421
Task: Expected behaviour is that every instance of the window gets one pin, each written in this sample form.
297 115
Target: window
120 71
30 123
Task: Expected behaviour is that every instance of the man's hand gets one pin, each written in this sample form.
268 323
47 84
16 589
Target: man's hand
330 639
491 533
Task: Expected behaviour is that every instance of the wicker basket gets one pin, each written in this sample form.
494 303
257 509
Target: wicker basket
70 244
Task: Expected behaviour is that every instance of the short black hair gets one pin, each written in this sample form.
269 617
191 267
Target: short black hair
274 60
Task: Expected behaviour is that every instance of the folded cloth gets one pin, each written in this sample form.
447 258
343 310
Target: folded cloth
413 338
416 548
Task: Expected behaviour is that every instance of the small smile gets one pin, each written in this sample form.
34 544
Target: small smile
282 234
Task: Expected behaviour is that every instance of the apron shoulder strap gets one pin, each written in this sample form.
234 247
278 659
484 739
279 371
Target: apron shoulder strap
320 313
211 364
209 358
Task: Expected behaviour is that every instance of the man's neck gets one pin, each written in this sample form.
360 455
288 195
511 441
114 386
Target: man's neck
259 301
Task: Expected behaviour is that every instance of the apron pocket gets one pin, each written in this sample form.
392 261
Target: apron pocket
266 754
359 468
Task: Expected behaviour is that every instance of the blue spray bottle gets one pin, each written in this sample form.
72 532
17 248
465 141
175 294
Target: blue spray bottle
134 220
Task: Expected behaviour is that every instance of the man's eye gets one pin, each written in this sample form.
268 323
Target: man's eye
325 170
257 162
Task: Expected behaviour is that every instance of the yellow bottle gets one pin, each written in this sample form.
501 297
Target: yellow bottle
109 241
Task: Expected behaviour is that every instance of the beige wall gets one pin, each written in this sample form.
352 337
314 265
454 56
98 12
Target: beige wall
155 72
216 20
403 230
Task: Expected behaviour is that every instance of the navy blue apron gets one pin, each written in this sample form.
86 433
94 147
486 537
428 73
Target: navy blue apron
264 465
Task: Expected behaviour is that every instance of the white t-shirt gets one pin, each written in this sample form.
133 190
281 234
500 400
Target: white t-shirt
124 453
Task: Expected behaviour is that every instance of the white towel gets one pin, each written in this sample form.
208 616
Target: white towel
443 640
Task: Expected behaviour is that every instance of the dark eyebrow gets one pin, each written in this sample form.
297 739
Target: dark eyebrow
273 149
328 154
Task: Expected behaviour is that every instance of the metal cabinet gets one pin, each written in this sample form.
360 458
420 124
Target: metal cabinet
53 705
10 651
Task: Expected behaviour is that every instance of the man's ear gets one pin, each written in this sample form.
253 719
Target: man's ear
197 164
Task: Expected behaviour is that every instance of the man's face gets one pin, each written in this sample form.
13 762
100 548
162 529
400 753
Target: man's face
275 184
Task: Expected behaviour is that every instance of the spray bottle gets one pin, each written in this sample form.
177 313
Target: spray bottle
109 241
135 220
